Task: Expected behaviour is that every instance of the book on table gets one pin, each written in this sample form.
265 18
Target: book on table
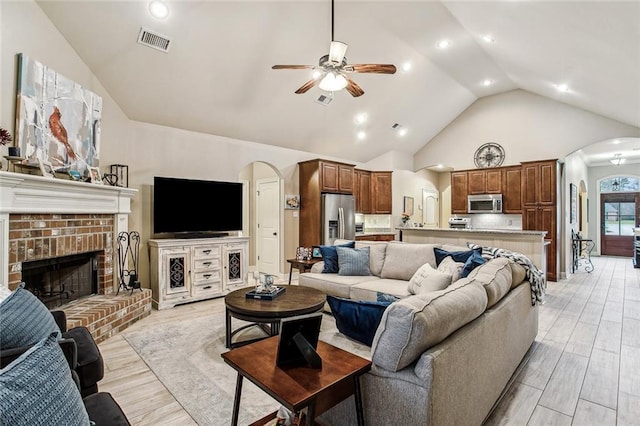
268 294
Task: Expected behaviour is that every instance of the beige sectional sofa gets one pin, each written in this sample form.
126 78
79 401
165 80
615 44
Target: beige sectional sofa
442 357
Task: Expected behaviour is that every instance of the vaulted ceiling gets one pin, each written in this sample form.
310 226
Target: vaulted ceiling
216 77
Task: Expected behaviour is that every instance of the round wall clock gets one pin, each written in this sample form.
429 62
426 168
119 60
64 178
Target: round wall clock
489 155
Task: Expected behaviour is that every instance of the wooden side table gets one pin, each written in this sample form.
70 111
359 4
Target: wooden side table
301 265
299 387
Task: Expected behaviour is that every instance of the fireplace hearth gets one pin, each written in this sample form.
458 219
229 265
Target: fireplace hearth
59 280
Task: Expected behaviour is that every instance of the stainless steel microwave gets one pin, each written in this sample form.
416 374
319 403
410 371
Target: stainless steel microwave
485 203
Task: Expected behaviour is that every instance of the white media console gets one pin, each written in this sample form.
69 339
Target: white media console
188 270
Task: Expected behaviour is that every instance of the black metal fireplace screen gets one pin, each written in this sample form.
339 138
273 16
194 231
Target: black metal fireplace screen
60 280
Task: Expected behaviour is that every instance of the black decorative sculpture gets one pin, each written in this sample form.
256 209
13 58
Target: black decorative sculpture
128 255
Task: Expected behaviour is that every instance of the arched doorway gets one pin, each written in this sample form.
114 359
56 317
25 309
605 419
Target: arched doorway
265 220
619 214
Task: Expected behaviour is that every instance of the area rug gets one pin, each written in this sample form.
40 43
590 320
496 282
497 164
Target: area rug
185 356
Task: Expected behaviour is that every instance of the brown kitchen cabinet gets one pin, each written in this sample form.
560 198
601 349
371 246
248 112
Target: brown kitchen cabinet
362 190
511 189
381 193
375 237
459 192
335 178
539 186
484 181
315 178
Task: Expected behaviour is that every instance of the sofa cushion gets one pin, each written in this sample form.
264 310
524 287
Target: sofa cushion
37 389
427 279
353 261
368 290
24 320
451 267
377 251
495 277
518 273
357 319
458 256
472 263
333 284
330 257
402 260
412 325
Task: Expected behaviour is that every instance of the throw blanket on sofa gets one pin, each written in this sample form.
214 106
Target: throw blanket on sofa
533 274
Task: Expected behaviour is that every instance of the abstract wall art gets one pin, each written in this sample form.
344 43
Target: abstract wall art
57 120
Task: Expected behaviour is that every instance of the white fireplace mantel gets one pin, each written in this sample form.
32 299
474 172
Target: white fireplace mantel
23 193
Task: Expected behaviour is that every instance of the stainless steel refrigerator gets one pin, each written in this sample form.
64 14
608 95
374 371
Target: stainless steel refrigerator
338 218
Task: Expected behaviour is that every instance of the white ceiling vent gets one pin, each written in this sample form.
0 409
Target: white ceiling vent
324 99
154 40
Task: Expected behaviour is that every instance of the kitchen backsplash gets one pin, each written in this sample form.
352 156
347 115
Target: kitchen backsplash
495 221
377 222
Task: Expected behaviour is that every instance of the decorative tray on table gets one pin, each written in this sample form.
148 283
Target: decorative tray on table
269 294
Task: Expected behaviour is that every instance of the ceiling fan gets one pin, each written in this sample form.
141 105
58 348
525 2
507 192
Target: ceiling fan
331 73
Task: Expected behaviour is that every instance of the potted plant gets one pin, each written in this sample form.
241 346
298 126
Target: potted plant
5 138
405 218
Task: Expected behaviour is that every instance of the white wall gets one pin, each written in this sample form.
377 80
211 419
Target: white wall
575 172
528 126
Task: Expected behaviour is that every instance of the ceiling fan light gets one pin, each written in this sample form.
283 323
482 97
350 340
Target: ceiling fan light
333 82
316 74
337 51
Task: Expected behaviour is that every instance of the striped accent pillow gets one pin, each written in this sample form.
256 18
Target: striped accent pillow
24 320
37 389
353 261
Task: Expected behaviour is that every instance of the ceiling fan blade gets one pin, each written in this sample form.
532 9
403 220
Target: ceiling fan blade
292 67
337 51
372 68
353 88
305 87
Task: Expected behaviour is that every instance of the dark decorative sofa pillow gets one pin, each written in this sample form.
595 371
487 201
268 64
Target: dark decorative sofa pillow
24 320
472 263
330 257
458 256
358 320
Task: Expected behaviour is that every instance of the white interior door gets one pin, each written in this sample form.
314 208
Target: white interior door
430 208
268 225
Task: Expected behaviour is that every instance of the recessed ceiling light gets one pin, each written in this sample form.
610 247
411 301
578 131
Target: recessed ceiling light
158 9
616 142
406 67
439 166
361 118
487 82
402 131
488 38
362 134
562 87
443 44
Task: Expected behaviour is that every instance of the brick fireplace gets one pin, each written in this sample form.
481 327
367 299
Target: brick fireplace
43 218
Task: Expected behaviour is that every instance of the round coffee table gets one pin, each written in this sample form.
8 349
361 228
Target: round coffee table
266 314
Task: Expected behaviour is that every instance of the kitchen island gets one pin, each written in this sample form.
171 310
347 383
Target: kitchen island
530 243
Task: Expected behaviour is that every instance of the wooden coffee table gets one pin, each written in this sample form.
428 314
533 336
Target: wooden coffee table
296 387
266 314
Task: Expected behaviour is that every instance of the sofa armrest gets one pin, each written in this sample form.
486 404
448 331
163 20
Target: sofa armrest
61 320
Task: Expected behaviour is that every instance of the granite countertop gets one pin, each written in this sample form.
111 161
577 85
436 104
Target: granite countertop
478 231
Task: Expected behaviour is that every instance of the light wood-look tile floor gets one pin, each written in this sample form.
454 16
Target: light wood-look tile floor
583 368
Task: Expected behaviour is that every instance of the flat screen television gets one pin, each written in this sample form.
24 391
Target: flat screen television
190 207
